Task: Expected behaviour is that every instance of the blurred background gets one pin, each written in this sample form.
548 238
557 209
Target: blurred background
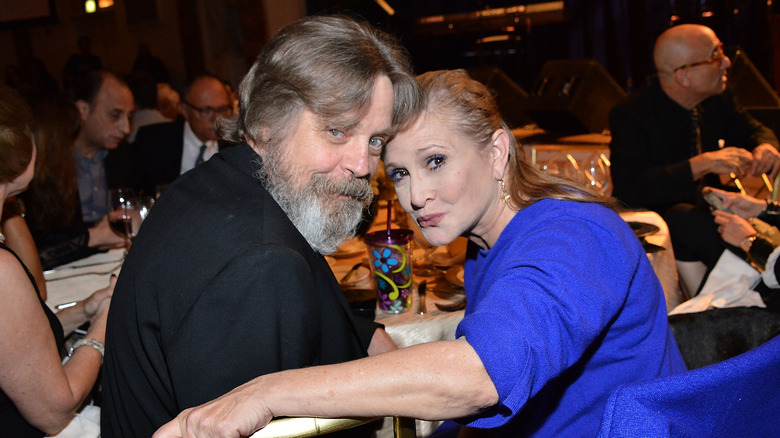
508 42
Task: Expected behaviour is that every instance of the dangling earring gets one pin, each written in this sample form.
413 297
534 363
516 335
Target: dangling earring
506 196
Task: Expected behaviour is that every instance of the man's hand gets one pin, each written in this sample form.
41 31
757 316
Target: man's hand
236 414
766 159
743 206
722 162
732 228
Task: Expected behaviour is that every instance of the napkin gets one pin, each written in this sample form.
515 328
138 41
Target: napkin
730 284
86 424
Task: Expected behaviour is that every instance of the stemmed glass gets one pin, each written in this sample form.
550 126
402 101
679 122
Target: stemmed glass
597 174
119 211
139 209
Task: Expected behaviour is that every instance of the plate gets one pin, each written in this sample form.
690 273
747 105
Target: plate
350 248
340 270
455 275
642 229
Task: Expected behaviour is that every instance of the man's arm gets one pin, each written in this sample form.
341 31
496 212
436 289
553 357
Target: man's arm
636 181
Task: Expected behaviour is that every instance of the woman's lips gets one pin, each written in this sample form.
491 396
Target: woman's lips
429 220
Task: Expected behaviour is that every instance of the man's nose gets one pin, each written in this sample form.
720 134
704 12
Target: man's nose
356 159
725 62
124 124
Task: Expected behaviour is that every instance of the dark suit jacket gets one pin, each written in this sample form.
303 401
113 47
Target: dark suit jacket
219 287
156 155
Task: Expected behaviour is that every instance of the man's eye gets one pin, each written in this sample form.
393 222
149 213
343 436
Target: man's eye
376 142
336 133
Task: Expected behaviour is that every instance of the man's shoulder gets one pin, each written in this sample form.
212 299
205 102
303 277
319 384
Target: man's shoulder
639 99
163 128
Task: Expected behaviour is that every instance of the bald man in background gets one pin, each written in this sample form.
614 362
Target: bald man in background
681 132
163 151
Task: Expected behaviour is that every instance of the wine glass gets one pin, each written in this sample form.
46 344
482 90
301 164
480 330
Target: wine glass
139 209
119 207
597 174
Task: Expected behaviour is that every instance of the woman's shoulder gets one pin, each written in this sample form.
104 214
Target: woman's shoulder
550 209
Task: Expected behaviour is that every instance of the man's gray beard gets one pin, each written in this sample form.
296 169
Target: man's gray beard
323 219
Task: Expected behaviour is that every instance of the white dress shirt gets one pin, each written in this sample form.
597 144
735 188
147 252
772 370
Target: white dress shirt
192 148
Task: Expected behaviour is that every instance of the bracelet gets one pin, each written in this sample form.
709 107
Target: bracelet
94 343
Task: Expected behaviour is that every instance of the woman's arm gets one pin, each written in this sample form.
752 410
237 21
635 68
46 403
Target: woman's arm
46 393
436 380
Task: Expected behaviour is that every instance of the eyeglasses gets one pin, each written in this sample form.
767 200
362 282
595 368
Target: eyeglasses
209 112
716 57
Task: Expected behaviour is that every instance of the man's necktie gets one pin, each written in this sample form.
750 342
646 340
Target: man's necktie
695 133
200 154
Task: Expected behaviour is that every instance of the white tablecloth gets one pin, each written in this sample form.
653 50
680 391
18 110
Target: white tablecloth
78 280
663 262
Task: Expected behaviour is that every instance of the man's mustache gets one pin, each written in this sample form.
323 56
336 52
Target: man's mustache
354 188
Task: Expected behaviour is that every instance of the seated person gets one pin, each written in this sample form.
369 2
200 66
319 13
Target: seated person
51 204
761 246
163 151
38 393
666 140
226 279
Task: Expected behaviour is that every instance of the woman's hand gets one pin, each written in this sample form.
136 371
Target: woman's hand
96 306
101 236
732 228
743 206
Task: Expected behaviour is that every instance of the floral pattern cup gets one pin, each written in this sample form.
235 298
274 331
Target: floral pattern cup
390 257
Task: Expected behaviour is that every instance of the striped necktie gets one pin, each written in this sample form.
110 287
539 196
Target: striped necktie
695 132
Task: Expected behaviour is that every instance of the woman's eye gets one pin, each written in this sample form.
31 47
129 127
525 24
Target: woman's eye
436 161
397 174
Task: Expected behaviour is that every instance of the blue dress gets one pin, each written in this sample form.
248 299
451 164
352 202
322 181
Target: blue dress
562 310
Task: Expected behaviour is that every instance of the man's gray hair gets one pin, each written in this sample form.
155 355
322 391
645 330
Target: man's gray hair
327 64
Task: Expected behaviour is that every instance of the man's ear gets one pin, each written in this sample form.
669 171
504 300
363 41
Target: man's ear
258 146
681 77
83 107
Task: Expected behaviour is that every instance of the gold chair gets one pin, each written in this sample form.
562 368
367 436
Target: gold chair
299 427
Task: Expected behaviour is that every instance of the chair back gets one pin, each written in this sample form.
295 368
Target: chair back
736 397
300 427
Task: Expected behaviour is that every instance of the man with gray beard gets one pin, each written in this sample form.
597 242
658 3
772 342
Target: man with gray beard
226 280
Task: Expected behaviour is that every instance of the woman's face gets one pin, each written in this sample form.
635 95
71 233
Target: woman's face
442 180
20 183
